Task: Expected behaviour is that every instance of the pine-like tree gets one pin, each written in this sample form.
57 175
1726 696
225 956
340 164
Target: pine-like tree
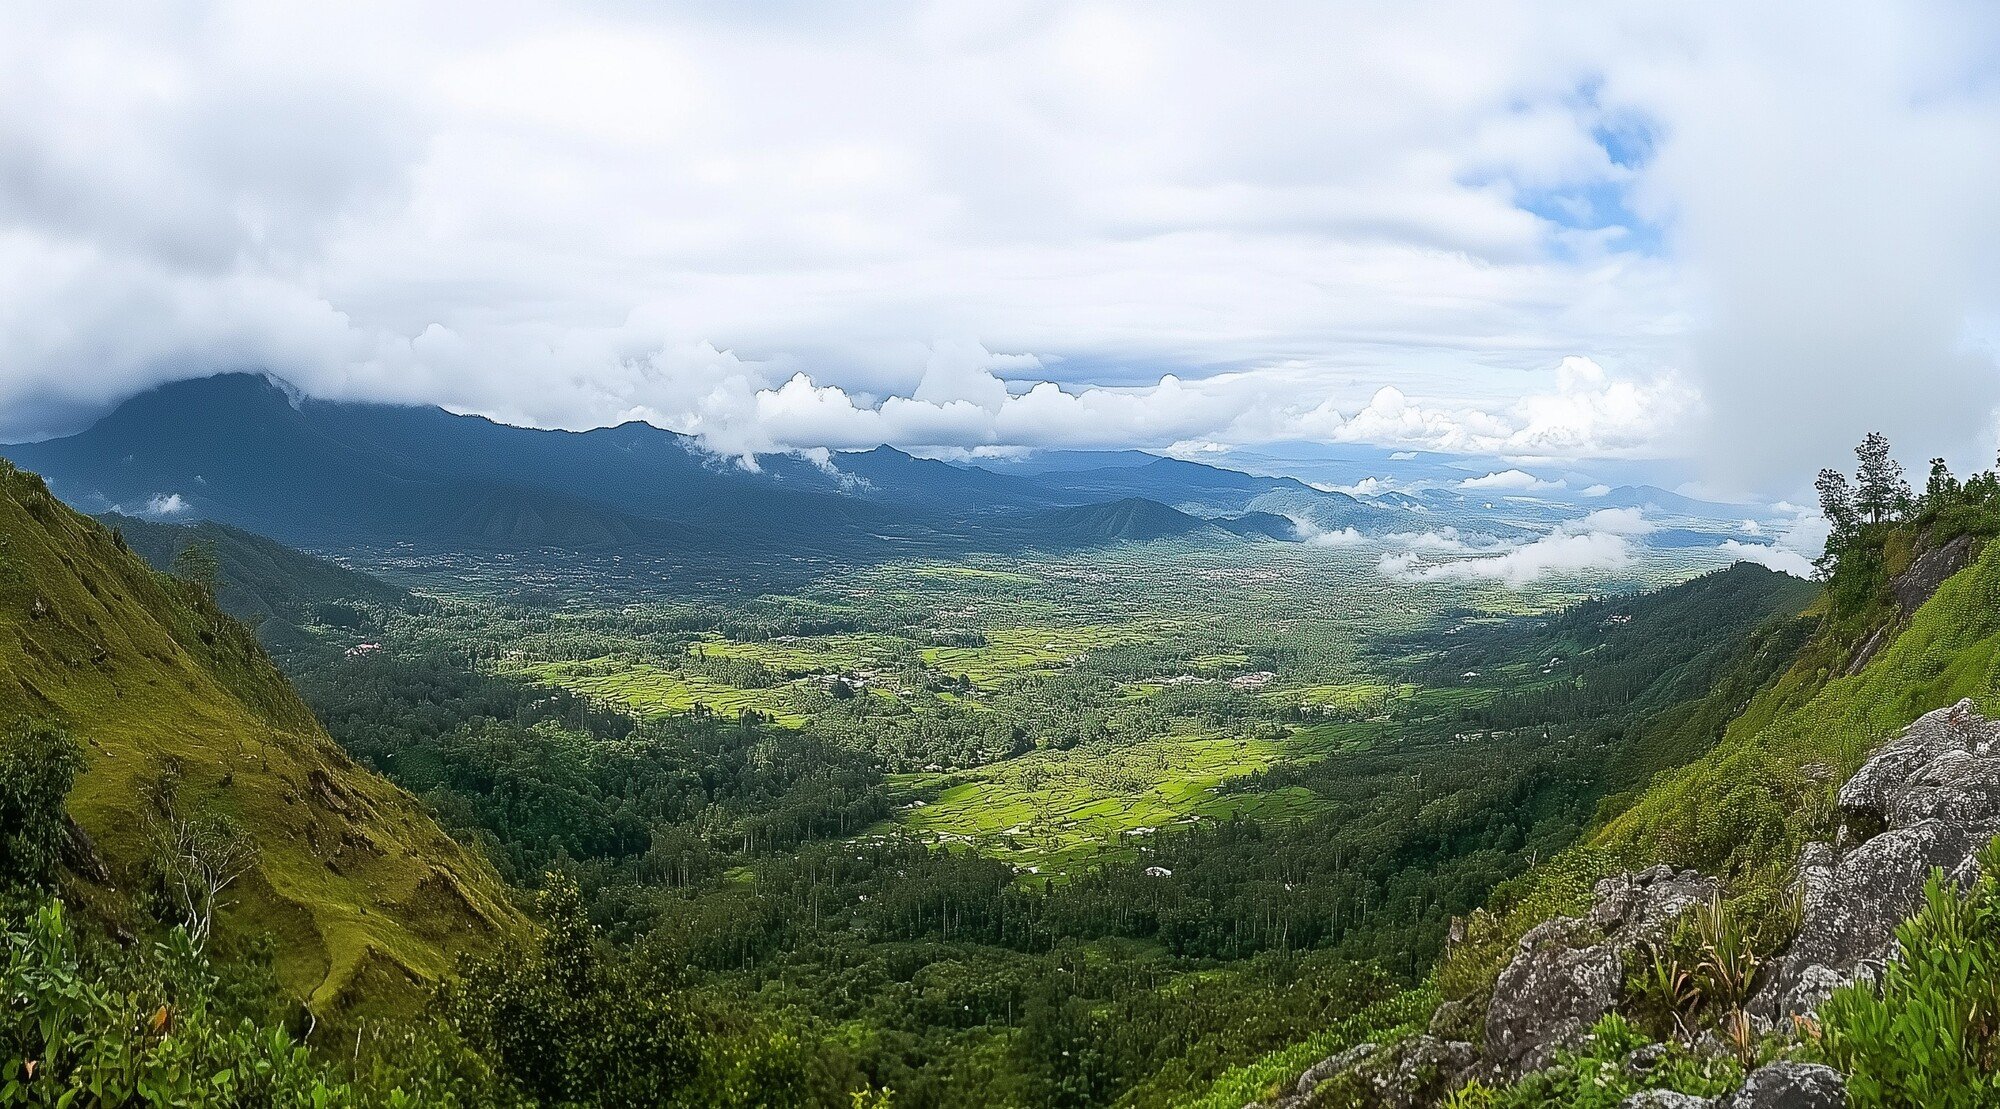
1941 487
1881 491
1836 504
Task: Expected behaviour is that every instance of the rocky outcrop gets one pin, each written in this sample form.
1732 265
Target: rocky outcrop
1408 1074
1930 799
1789 1086
1567 972
1911 589
1664 1099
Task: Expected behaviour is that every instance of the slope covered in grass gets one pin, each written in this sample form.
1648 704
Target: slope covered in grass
363 894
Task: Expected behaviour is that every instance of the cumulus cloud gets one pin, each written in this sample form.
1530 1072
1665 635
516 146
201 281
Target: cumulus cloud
1615 521
1511 481
1598 543
1546 230
1562 552
1777 558
162 505
1319 537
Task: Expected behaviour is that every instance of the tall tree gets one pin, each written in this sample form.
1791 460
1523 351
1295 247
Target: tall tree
1941 486
1881 490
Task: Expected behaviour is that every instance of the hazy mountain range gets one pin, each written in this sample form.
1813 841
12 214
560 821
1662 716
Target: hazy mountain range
248 451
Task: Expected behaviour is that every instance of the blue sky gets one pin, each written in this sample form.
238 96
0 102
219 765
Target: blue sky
1541 232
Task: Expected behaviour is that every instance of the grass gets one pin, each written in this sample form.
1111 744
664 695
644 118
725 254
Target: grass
1014 651
364 894
1059 810
648 690
794 656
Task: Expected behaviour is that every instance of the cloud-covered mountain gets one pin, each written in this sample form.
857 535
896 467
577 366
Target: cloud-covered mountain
247 451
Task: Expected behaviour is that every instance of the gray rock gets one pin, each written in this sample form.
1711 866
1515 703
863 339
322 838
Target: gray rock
1644 905
1928 799
1790 1086
1409 1074
1416 1072
1567 972
1326 1068
1664 1099
1641 1060
1549 995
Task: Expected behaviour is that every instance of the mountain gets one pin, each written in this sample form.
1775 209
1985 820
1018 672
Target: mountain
1807 847
242 450
1135 519
365 895
246 451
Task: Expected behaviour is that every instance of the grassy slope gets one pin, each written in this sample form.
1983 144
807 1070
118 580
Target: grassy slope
362 891
1745 808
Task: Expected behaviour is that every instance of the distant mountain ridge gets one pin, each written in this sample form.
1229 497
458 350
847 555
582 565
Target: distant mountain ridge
243 450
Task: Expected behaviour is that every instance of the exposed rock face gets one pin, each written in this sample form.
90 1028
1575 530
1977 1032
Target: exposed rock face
1789 1086
1409 1074
1550 995
1567 973
1664 1099
1911 589
1929 799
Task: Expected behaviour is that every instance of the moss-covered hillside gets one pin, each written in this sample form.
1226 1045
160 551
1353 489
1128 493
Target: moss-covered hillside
365 897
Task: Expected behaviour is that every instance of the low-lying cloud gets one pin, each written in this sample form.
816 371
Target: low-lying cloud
1598 543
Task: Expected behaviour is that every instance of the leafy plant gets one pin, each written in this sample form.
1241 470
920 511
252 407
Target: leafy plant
1931 1036
37 765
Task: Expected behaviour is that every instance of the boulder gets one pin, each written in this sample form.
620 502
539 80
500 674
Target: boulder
1645 904
1408 1074
1550 994
1664 1099
1416 1072
1789 1086
1929 799
1567 972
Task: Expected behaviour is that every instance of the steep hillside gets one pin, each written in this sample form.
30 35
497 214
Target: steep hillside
1717 908
363 893
267 585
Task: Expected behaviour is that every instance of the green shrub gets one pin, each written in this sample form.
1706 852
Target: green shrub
142 1029
1595 1075
1931 1036
37 765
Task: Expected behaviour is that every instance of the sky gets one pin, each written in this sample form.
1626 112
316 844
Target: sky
1733 235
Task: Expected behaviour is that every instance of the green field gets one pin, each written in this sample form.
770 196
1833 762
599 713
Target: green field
648 690
1051 813
1011 652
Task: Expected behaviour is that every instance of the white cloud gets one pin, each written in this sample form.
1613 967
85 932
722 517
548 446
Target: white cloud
1782 559
1546 230
1597 543
1615 521
1599 490
164 504
1562 552
1344 537
1513 481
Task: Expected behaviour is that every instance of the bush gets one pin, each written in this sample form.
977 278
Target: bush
144 1030
37 765
1931 1036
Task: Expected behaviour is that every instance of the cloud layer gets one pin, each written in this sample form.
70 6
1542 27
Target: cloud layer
1538 231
